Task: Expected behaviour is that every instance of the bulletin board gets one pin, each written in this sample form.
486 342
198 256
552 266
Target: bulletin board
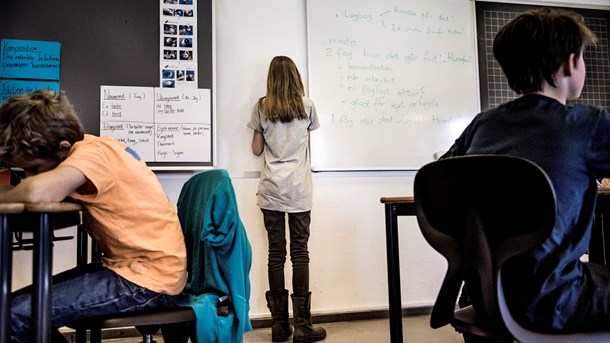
110 42
393 81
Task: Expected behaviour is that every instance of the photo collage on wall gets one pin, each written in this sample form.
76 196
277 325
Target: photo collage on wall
178 44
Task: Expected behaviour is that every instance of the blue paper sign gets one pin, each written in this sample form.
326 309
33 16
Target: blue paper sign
8 88
27 59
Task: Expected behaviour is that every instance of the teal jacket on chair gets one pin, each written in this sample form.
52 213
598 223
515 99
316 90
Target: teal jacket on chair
219 257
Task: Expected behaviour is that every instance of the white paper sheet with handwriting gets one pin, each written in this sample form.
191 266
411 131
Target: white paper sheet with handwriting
160 124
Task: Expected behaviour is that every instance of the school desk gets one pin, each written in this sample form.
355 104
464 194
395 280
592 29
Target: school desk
41 219
599 248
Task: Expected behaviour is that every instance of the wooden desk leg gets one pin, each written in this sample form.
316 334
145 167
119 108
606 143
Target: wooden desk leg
391 223
41 295
6 264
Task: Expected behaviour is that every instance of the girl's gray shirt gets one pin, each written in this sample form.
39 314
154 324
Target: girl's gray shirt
285 181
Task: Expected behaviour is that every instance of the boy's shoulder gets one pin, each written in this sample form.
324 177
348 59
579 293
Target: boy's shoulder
99 141
96 149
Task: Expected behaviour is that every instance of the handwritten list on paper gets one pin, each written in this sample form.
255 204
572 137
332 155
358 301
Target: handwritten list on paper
160 124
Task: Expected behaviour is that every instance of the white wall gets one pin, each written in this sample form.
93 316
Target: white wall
347 247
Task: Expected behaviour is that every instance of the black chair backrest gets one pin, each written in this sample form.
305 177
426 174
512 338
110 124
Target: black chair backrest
479 211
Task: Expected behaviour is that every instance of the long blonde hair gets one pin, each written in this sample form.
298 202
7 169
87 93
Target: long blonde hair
284 99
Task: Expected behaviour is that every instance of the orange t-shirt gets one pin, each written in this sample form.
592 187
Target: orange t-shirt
129 215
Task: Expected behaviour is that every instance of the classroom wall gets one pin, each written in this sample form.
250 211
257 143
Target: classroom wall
347 246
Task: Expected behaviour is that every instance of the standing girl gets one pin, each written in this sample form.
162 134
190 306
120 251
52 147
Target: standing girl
281 121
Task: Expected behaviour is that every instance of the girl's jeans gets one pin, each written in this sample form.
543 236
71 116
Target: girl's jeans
275 223
78 294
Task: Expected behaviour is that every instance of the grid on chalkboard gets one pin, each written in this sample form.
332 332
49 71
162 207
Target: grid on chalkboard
597 85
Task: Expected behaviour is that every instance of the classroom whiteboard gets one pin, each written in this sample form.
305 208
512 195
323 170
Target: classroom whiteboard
393 81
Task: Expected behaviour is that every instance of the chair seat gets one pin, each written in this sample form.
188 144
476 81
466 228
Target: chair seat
154 317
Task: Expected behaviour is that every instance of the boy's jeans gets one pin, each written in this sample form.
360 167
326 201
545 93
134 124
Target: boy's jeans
78 294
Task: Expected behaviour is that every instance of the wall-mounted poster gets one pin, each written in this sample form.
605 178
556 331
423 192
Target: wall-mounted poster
161 124
9 88
27 59
178 44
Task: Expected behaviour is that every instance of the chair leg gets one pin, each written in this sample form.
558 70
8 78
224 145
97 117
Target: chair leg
147 332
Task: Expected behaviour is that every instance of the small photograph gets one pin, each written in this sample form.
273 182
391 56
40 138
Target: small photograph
186 2
179 13
186 55
180 75
170 54
170 29
190 75
186 43
168 74
171 42
171 2
186 30
187 13
169 84
168 11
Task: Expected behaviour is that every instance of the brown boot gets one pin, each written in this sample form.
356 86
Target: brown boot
277 302
304 332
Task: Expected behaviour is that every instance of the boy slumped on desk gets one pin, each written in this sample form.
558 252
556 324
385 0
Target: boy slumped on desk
124 209
541 54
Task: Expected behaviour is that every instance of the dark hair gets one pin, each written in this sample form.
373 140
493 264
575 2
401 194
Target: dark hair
533 46
284 99
32 125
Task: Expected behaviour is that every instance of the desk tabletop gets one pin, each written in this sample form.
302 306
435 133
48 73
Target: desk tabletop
603 191
11 207
392 200
52 207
